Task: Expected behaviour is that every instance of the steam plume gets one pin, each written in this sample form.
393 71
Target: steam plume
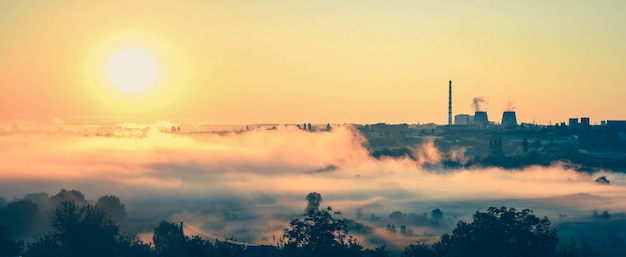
510 106
478 104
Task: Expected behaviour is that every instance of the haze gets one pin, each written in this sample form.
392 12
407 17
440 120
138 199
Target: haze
290 62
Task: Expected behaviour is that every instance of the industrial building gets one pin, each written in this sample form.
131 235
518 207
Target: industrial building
509 119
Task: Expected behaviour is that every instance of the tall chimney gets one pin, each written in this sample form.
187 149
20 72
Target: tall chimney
450 103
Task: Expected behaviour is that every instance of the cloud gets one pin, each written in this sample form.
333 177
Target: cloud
249 180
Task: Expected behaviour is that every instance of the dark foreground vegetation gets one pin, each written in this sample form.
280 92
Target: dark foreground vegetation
78 228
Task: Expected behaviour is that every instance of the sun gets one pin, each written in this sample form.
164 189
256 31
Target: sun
132 70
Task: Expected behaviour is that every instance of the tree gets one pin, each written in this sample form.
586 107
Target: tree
83 231
9 246
21 216
318 233
314 199
418 250
112 206
603 180
67 196
44 245
169 240
131 246
436 214
500 232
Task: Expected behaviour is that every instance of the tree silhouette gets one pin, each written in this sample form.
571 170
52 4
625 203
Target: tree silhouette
20 216
418 250
500 232
44 245
603 180
169 240
112 206
436 214
85 230
318 233
9 246
78 231
314 199
67 196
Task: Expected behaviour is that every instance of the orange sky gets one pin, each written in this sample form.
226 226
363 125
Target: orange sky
317 61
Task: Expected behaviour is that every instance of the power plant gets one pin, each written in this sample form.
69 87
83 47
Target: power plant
509 120
480 119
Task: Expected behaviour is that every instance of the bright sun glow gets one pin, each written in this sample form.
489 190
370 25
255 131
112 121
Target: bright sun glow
132 70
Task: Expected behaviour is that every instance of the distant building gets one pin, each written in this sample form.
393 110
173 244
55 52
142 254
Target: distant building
463 119
573 123
616 124
584 123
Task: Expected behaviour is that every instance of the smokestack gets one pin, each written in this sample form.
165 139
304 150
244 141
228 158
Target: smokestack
450 103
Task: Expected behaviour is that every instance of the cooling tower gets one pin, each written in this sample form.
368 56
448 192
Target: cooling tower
509 120
481 120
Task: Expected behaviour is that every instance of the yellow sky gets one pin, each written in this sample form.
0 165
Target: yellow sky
316 61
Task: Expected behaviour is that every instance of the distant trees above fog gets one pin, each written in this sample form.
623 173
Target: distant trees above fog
112 206
309 127
603 180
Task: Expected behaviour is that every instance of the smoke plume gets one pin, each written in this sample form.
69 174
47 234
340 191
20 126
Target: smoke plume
510 106
478 104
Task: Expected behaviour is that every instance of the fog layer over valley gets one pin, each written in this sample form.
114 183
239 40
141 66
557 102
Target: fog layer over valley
248 184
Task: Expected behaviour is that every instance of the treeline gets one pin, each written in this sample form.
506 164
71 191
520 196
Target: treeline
80 228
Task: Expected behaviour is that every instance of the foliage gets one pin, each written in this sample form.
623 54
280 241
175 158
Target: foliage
19 215
603 180
318 233
67 196
85 229
314 199
112 206
418 250
376 252
169 240
9 246
79 231
500 232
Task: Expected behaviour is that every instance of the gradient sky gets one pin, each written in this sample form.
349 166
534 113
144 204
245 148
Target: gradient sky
316 61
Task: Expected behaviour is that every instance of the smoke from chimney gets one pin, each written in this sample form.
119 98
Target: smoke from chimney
478 104
510 106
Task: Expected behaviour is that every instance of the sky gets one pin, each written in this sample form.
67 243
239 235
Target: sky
230 62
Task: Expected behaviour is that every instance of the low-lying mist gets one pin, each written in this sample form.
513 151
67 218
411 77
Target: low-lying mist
248 184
